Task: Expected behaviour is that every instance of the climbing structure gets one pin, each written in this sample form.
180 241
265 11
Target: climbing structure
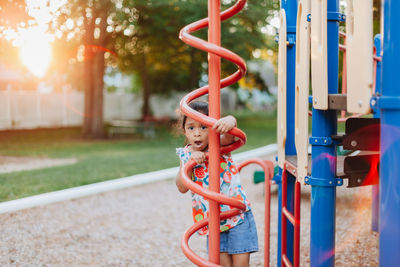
212 46
309 40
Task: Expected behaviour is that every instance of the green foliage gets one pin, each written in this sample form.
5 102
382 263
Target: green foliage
142 36
171 64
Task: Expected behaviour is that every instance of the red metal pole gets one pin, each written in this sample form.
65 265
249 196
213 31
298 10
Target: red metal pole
267 214
214 66
284 222
296 251
344 74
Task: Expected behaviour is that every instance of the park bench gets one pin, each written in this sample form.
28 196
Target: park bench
121 127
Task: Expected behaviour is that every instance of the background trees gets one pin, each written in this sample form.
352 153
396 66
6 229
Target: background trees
163 62
140 37
84 23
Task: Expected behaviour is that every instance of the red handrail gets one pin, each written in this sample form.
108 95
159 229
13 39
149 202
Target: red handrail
268 168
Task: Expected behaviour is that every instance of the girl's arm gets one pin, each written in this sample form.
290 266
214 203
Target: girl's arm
197 156
223 126
181 187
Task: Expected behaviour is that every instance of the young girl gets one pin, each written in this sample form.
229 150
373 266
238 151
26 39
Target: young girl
238 233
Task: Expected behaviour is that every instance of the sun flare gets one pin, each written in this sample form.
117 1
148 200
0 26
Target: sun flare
35 51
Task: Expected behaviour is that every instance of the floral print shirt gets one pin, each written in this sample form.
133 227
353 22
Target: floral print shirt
229 186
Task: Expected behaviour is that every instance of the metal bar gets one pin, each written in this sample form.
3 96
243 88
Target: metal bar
267 217
342 47
339 101
291 168
268 168
322 244
378 89
389 211
296 250
290 113
214 62
286 261
344 73
283 217
378 69
289 215
280 237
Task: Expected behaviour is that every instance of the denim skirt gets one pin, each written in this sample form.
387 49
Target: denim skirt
240 239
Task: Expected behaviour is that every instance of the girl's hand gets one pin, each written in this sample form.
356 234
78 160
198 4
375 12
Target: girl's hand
198 156
225 124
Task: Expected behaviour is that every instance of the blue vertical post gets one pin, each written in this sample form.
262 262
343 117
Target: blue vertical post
290 7
389 104
378 86
323 194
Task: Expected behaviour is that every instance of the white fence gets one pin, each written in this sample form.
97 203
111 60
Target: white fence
30 109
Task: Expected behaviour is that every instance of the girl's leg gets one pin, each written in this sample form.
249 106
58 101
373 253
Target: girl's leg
241 260
225 259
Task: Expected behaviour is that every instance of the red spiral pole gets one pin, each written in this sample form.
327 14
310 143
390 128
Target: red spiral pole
212 46
214 75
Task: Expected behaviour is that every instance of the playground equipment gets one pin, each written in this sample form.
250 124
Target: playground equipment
213 89
309 33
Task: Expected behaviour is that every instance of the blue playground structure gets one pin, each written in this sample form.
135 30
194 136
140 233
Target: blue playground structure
310 40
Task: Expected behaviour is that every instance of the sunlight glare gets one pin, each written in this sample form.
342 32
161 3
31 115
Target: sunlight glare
35 51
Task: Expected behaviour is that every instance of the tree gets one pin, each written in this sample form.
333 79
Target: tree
152 49
144 36
94 38
164 62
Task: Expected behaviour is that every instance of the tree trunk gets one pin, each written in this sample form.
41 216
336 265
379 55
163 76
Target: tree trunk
88 77
98 78
146 112
93 124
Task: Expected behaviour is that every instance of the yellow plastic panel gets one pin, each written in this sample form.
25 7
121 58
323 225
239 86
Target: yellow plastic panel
319 56
359 55
281 134
302 87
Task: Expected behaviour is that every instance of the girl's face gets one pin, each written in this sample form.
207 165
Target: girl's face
196 134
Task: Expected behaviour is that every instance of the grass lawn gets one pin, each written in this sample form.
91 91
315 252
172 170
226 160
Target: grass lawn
100 160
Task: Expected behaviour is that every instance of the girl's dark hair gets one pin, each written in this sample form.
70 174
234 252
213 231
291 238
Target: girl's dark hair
199 106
